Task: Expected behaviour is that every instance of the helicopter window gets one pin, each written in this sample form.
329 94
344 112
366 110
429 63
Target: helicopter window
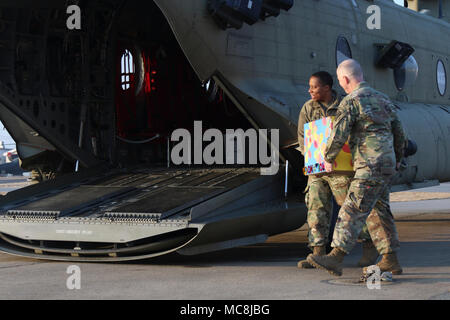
343 51
441 77
402 3
407 74
127 70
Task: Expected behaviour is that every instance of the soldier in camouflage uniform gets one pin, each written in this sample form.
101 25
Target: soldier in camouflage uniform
377 143
324 103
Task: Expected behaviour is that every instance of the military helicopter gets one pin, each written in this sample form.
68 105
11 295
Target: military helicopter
91 92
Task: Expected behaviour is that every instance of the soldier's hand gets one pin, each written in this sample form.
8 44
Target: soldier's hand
328 167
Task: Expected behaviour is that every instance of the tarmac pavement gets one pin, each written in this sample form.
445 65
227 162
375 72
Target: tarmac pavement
261 272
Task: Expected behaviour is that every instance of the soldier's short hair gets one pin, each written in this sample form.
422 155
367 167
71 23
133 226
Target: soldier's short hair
352 69
325 78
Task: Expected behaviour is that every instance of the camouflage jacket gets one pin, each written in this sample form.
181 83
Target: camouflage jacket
312 111
377 139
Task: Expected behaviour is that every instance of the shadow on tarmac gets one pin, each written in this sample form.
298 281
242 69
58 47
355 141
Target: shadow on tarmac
264 255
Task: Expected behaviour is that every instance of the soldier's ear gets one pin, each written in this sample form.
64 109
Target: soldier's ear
347 80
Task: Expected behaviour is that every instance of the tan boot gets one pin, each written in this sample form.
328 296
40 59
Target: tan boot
331 262
370 254
390 263
319 251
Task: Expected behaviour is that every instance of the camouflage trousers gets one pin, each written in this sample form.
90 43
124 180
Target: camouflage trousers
367 202
319 204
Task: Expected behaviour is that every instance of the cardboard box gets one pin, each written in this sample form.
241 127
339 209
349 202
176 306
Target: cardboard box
316 137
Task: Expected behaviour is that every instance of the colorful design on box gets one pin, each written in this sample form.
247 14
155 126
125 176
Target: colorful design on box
316 138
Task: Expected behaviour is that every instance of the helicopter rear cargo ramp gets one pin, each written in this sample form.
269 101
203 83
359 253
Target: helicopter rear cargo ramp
142 213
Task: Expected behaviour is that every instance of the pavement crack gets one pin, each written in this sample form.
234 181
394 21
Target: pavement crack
21 265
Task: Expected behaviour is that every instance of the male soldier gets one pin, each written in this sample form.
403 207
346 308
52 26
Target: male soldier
324 103
377 143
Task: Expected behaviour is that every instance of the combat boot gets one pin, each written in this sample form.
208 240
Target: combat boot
370 254
317 251
389 262
331 262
